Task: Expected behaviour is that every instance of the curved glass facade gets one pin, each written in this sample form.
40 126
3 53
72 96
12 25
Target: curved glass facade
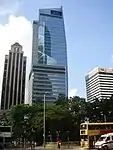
49 56
54 36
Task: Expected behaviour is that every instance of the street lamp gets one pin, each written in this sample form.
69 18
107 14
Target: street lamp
44 116
25 123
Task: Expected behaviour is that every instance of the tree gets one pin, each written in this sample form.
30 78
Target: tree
95 109
4 118
58 118
62 100
21 118
107 109
62 117
100 110
27 122
78 109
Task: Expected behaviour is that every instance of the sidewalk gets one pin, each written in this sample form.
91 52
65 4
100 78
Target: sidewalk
49 148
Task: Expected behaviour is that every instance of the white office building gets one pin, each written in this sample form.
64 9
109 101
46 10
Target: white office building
99 83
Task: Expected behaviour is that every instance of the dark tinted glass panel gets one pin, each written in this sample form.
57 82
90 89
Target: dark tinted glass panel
44 67
106 73
6 61
15 89
20 77
23 82
4 73
97 127
108 138
7 91
3 92
22 98
12 80
5 67
56 13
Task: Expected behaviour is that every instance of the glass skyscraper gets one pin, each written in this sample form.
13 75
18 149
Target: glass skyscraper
49 57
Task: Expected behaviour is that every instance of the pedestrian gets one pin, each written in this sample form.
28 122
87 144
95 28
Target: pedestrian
58 142
35 144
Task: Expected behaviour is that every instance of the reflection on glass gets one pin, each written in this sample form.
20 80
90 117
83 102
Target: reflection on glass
51 74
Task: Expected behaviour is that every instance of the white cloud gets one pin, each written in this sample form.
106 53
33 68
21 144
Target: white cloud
9 6
72 92
18 29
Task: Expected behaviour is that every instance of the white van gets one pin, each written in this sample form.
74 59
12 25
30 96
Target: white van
105 141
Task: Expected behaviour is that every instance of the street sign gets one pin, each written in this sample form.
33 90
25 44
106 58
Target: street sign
5 134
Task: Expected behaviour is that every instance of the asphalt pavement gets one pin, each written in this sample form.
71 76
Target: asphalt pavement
71 148
42 148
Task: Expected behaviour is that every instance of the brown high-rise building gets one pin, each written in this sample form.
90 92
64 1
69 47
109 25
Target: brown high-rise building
13 86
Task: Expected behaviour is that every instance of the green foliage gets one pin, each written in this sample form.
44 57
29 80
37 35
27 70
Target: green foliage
61 116
100 110
65 115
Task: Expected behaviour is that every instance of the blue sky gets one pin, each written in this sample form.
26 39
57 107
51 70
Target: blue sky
89 33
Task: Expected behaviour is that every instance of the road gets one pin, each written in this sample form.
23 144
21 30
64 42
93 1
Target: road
41 148
74 148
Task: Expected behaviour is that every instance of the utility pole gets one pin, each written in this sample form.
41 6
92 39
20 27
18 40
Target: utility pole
44 120
44 117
